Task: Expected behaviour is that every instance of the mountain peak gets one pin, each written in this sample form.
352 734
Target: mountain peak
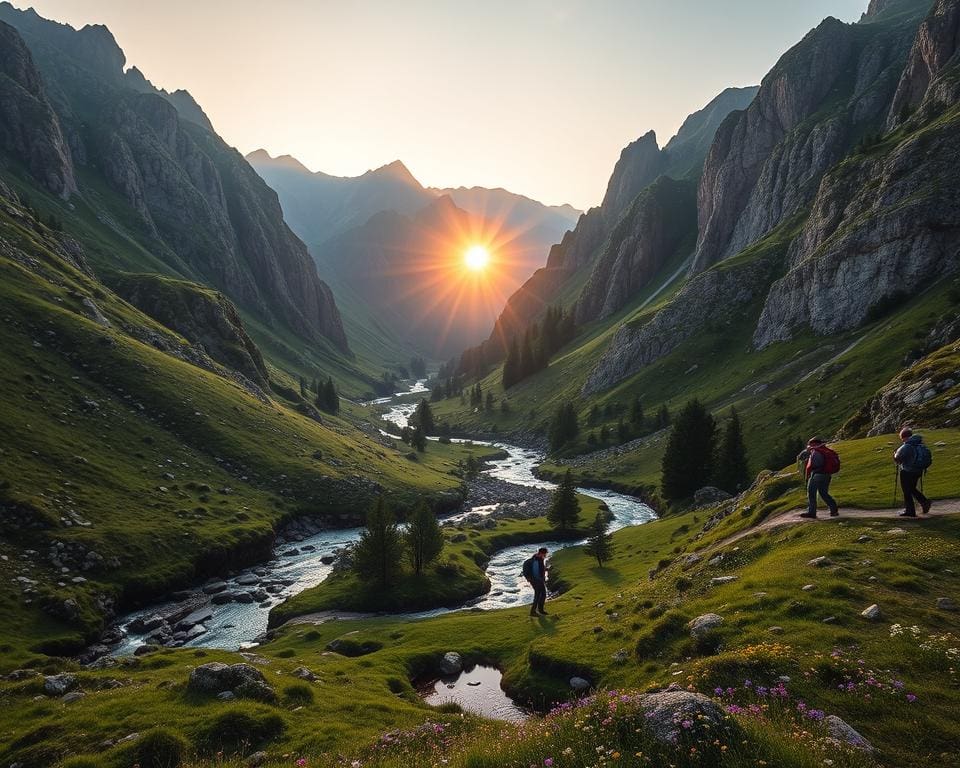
260 157
396 170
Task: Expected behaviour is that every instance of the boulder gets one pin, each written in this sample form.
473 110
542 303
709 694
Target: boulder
242 679
58 685
704 624
451 663
845 733
820 562
579 683
670 712
871 612
73 696
946 604
720 580
212 587
304 674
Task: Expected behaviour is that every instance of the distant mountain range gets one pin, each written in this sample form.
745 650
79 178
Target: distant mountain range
380 236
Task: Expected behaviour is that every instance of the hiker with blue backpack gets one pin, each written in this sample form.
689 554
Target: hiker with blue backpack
912 458
535 572
821 464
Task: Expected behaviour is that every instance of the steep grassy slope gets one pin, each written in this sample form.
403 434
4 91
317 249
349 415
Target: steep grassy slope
621 626
131 444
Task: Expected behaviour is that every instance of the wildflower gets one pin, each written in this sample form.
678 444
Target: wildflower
301 762
911 698
548 761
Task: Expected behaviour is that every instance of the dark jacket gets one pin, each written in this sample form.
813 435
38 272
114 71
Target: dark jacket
539 569
907 454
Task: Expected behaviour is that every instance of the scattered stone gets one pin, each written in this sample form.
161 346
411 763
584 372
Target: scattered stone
845 733
719 580
946 604
226 696
222 598
58 685
451 663
72 697
829 620
871 612
241 679
667 712
808 587
775 630
820 562
305 674
257 758
704 624
248 580
896 532
579 683
864 539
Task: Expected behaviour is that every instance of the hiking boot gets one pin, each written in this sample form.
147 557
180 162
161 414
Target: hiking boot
808 515
925 506
907 514
533 613
544 613
834 512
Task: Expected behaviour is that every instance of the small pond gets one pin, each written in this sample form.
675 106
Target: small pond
476 690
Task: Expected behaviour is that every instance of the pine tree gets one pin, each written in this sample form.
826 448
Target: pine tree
564 512
600 542
330 398
511 366
418 439
376 555
424 537
423 418
303 388
604 434
489 402
315 387
663 417
636 413
689 459
564 426
733 473
623 431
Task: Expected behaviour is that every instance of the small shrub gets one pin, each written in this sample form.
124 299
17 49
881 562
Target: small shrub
160 748
298 694
240 729
661 633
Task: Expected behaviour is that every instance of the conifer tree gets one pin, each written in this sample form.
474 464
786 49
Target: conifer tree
689 459
418 439
564 426
511 366
636 413
424 537
303 388
663 417
564 512
423 418
733 473
376 555
600 542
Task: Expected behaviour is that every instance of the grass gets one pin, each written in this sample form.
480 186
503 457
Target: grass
645 593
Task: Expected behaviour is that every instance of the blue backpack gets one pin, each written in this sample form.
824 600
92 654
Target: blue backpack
922 458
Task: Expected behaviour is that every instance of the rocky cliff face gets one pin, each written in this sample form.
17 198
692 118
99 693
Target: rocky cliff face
937 41
204 210
640 163
711 296
201 316
655 224
29 129
766 162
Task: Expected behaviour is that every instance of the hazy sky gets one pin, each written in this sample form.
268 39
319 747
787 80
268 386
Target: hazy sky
535 96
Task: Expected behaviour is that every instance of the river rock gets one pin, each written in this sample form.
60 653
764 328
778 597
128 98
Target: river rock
243 597
666 710
248 580
222 598
845 733
579 683
704 624
451 663
212 587
143 624
58 685
242 679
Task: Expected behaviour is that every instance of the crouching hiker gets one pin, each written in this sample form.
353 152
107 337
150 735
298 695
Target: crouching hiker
821 463
912 458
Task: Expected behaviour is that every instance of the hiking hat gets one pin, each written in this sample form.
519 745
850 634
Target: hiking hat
816 441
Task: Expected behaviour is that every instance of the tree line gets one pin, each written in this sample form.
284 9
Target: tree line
532 352
323 394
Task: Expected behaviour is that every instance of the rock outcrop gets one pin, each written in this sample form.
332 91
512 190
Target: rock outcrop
937 40
766 162
650 232
201 316
884 223
716 293
29 128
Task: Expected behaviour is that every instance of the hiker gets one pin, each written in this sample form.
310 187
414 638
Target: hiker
821 464
912 458
535 571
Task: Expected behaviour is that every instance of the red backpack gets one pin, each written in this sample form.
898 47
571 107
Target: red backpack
831 460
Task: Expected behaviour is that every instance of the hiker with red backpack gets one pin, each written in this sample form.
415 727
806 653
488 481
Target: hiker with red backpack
912 458
821 464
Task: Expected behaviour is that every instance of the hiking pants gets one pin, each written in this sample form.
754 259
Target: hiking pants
819 483
539 595
908 481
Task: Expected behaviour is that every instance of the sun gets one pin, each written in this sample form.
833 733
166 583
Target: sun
476 258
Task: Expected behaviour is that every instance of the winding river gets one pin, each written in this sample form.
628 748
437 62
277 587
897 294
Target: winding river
237 618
